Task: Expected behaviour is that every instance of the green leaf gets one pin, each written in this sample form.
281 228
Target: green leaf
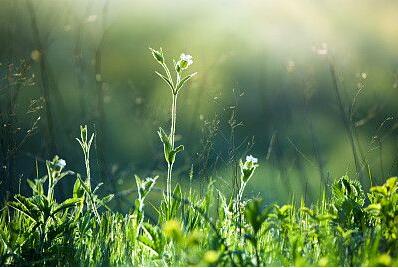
172 154
166 144
379 189
184 80
78 190
164 78
152 238
158 55
107 198
70 202
179 148
32 185
373 209
21 208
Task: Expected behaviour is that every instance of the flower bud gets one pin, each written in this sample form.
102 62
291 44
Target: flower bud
158 55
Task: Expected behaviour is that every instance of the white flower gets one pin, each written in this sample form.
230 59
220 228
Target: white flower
247 168
184 62
61 163
187 58
252 159
149 179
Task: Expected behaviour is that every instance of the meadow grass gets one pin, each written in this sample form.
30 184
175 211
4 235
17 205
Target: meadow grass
346 227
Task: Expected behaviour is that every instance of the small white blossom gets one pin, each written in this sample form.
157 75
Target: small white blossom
187 58
184 62
247 168
61 163
252 159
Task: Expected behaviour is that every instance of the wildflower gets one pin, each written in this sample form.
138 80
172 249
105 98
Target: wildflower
184 62
252 159
60 163
247 168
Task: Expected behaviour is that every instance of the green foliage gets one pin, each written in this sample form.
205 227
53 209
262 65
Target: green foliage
191 230
383 210
41 225
39 230
348 200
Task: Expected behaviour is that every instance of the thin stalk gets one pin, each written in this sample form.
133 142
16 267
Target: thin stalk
168 182
173 119
45 83
172 140
345 119
240 194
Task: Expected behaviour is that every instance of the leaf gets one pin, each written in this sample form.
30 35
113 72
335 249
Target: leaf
90 142
166 144
98 186
32 185
107 198
21 208
152 238
70 202
325 217
164 78
184 80
255 215
379 189
78 190
148 243
373 209
90 197
172 154
179 148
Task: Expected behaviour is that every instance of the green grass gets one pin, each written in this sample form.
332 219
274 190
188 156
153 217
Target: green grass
349 228
346 227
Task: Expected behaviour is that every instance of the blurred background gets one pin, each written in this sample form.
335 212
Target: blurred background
310 88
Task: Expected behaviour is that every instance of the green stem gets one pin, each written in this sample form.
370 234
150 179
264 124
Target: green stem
168 183
88 172
240 194
172 139
173 119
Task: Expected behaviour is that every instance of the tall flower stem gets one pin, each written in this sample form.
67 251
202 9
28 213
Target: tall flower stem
168 140
172 140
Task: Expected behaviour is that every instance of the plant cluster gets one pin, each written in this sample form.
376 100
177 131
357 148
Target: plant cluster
348 229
